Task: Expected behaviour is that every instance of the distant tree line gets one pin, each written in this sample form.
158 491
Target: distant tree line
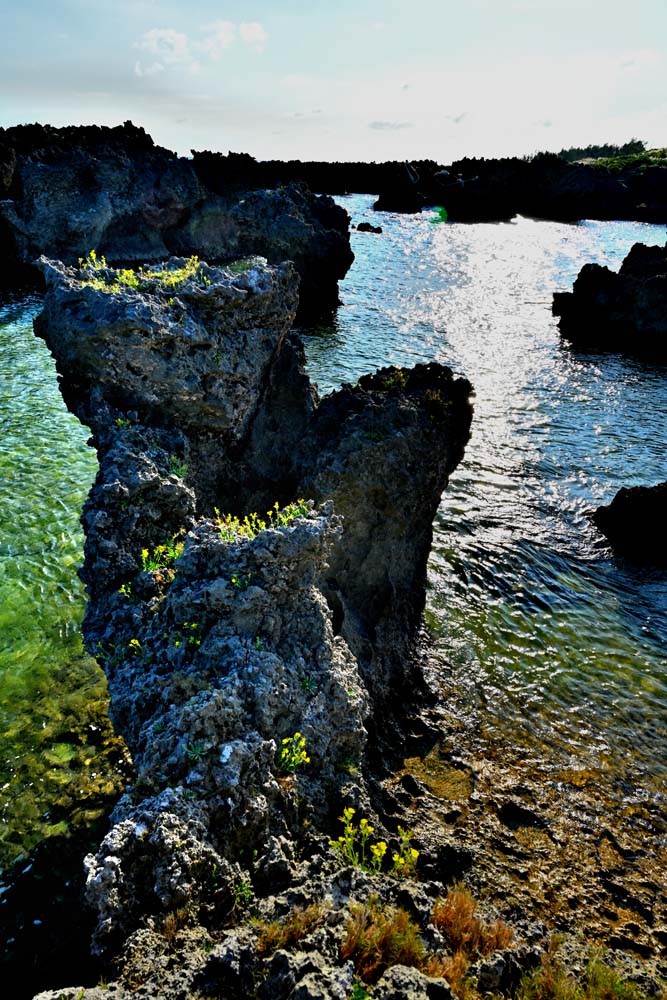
631 148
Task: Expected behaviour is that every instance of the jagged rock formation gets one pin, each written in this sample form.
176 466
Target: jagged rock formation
67 191
624 312
634 523
218 644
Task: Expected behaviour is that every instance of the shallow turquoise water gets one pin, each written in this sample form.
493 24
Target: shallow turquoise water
51 693
541 636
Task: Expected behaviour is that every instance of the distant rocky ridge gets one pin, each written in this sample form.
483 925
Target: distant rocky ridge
473 189
219 645
66 191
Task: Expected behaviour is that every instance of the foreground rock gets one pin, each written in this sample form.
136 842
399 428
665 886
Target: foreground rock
624 312
67 191
227 642
634 523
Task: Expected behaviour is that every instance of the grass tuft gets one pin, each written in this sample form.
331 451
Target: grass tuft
378 937
285 933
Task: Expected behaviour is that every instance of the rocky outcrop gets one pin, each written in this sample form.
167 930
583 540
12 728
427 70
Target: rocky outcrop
478 190
67 191
624 312
634 523
247 660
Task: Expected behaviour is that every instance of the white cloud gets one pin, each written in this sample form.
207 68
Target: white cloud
390 126
174 48
221 35
254 35
151 70
170 46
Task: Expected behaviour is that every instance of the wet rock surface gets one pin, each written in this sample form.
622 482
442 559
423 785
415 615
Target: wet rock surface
69 190
224 647
624 311
634 523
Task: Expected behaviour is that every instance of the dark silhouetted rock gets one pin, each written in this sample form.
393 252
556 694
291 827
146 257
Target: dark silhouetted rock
634 523
624 312
366 227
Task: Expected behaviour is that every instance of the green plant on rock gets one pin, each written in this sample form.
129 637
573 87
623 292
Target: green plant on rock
195 751
162 556
292 753
240 581
231 527
353 846
405 858
243 894
126 590
177 467
123 423
396 379
187 635
157 280
134 647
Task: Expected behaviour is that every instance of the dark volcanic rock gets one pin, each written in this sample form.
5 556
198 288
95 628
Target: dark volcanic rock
366 227
634 523
624 312
219 642
67 191
401 193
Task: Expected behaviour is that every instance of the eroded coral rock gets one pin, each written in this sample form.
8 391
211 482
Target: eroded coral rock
247 654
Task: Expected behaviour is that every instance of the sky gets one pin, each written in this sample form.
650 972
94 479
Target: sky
346 79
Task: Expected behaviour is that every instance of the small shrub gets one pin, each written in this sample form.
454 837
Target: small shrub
240 582
285 933
292 753
377 937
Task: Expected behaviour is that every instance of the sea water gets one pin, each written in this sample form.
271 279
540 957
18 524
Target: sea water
540 634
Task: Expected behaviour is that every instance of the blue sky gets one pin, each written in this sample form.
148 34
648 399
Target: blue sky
347 79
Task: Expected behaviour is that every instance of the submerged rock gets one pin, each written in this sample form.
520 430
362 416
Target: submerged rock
634 523
624 312
248 655
67 191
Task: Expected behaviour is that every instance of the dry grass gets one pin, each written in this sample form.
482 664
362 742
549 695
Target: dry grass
453 968
551 981
380 936
456 918
275 934
173 922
